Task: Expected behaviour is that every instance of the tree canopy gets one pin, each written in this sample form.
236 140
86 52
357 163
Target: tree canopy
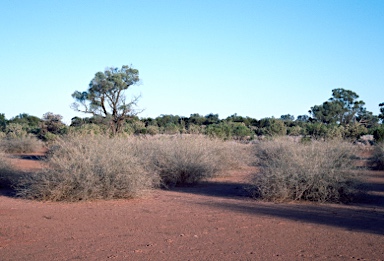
381 115
342 108
105 96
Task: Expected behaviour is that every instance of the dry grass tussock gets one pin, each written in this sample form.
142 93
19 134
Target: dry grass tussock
8 175
378 156
317 171
20 144
188 159
88 167
97 167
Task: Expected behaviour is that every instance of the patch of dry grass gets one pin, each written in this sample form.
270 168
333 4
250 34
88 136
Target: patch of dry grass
188 159
378 156
20 144
8 175
88 167
85 167
318 171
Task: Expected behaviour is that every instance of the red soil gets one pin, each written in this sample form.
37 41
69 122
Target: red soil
212 221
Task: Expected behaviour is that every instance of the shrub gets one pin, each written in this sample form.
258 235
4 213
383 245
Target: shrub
24 144
378 156
152 130
88 167
8 175
89 128
378 134
354 131
271 127
316 171
194 129
188 159
321 131
240 131
99 167
221 131
15 130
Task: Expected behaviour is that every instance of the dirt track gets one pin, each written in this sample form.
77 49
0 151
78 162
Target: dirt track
212 221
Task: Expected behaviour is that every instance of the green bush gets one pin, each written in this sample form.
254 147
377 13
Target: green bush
378 134
152 130
354 131
89 129
321 131
221 131
240 131
271 127
316 171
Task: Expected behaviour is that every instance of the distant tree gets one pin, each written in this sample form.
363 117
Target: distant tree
166 119
381 115
77 122
53 123
30 123
366 118
271 127
149 122
341 108
211 119
105 96
302 118
196 119
240 119
3 122
287 117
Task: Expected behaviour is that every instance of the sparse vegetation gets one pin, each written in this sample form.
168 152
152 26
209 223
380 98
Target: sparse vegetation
20 145
88 167
314 171
8 175
188 159
85 167
378 156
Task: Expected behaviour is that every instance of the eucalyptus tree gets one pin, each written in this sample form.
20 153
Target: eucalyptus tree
342 108
106 98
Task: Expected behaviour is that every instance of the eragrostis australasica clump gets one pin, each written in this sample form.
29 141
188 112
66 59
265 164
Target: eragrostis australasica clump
314 171
85 167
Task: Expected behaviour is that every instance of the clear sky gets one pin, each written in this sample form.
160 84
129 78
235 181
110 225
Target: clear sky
254 58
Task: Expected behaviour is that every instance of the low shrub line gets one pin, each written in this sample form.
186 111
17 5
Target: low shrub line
86 167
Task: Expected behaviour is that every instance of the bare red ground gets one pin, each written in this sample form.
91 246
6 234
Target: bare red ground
211 221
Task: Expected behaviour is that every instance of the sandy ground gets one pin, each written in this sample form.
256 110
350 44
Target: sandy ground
212 221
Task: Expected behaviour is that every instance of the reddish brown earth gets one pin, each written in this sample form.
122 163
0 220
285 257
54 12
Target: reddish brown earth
211 221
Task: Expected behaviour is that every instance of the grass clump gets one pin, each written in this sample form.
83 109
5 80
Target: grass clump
85 167
316 171
378 156
88 167
189 159
24 144
8 175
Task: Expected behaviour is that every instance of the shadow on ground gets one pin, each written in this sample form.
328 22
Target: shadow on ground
365 214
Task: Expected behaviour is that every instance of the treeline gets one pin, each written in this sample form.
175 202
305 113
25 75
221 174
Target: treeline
342 116
24 125
237 127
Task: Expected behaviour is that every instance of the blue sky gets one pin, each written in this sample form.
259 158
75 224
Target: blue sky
254 58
